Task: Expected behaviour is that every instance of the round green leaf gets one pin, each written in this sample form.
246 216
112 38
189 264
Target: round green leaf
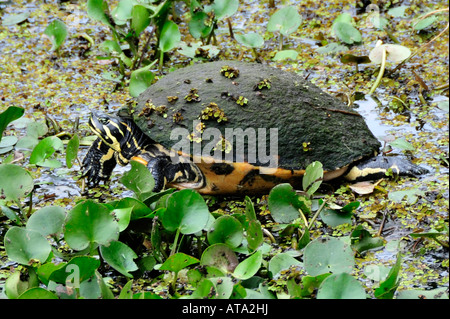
286 21
283 204
120 257
48 220
122 12
347 33
140 80
220 256
282 261
328 254
24 245
186 210
226 229
170 36
12 113
341 286
89 223
198 26
224 8
96 10
19 281
252 40
285 54
15 182
248 267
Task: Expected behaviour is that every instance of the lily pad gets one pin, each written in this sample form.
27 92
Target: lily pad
12 113
170 36
15 183
226 229
341 286
328 254
186 210
47 220
285 54
177 262
15 18
139 179
88 224
252 39
282 261
220 256
56 31
25 246
286 21
284 204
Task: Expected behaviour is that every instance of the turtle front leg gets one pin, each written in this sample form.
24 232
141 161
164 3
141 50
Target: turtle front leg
165 173
98 163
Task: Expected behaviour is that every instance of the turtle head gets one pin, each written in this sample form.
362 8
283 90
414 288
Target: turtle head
112 130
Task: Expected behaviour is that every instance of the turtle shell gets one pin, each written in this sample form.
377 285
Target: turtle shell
311 124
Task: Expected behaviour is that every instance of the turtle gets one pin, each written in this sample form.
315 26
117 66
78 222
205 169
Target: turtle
230 127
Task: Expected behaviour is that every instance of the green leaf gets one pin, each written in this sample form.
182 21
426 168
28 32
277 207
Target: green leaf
12 113
286 21
47 220
199 26
57 33
77 270
347 33
224 8
24 245
389 286
341 286
411 195
252 40
170 36
20 281
312 178
248 267
44 150
139 180
122 12
178 261
425 23
438 293
220 256
328 254
140 19
16 182
15 18
335 218
402 144
120 257
362 240
140 80
186 210
283 204
282 261
285 54
139 209
398 12
223 286
226 229
89 223
72 150
37 293
96 10
124 216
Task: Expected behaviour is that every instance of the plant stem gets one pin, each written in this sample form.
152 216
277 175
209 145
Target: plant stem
161 59
230 28
316 215
380 74
281 42
175 242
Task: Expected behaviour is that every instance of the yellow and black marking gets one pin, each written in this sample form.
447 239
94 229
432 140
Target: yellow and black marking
121 140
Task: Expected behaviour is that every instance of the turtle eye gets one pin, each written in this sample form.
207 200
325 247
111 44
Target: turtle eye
104 120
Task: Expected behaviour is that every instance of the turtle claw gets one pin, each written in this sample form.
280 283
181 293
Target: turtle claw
98 163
